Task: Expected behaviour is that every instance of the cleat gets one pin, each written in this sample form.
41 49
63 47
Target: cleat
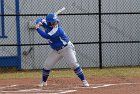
42 84
85 83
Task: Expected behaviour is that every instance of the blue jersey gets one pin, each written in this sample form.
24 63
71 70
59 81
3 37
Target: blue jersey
55 36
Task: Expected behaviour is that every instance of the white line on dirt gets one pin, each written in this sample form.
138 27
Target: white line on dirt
8 86
28 90
40 90
68 91
107 85
103 86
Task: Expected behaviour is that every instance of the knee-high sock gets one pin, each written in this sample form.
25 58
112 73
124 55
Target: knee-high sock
45 74
78 71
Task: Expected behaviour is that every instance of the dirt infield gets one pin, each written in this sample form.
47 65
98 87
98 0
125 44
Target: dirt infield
98 85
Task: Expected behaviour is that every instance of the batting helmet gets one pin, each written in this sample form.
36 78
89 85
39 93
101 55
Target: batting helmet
52 17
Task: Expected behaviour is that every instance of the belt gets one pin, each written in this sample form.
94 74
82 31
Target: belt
57 49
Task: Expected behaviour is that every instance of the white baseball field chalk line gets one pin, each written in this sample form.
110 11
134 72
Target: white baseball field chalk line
7 86
107 85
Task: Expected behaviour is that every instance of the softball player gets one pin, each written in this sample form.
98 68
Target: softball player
61 47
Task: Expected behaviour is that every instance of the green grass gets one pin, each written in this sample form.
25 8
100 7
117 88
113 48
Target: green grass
118 72
89 72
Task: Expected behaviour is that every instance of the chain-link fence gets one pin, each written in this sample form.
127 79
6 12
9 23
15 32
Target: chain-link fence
105 32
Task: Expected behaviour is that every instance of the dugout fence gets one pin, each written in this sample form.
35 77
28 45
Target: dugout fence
105 33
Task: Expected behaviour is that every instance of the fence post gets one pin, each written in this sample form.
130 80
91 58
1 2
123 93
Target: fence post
2 35
18 34
100 37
